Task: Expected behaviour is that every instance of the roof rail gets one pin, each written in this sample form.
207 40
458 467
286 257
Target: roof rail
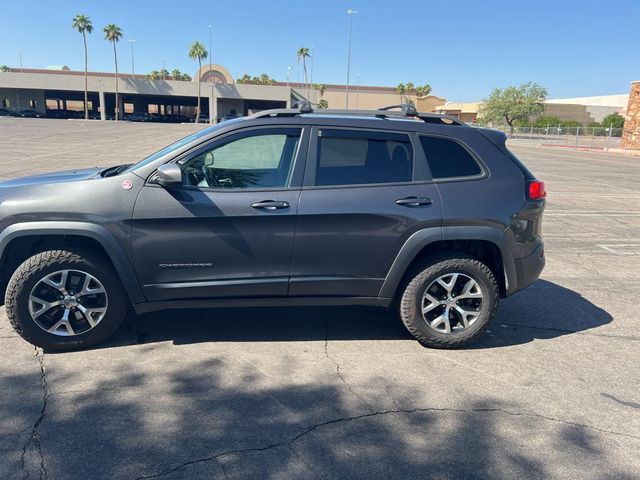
407 110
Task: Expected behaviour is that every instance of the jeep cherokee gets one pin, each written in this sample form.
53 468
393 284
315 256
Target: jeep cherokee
416 212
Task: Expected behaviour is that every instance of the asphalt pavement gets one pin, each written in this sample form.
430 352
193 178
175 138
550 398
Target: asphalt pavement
552 390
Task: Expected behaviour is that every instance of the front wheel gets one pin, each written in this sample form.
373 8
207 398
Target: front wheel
449 302
64 300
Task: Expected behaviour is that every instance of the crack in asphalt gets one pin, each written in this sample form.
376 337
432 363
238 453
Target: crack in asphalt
34 437
340 376
288 442
564 330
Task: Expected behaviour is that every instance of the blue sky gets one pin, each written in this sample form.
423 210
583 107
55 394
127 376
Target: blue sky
462 48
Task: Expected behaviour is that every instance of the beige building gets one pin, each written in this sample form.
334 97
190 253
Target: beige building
51 91
582 109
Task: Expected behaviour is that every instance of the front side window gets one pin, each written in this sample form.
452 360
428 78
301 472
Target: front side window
261 159
357 158
448 159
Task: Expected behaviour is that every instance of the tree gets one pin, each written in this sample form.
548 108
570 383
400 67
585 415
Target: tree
303 54
424 90
113 33
4 68
263 79
544 121
83 24
613 120
513 103
320 87
410 88
198 52
322 104
401 88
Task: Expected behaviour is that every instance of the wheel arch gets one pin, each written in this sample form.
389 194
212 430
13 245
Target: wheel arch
21 240
487 244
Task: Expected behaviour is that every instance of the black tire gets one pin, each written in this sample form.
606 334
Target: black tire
34 269
421 278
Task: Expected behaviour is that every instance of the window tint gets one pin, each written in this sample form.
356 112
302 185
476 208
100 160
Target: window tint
448 158
355 158
262 159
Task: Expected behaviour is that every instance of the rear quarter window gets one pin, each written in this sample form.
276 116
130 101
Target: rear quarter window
449 159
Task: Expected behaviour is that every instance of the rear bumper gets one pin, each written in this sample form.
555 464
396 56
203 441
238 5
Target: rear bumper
528 269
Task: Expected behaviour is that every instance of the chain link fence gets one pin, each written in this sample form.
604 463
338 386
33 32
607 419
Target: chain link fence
575 137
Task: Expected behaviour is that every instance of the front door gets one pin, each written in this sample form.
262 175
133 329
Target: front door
228 230
365 193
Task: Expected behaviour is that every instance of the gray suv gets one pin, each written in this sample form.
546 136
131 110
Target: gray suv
415 212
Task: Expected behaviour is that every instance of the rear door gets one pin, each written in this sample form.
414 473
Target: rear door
228 230
365 192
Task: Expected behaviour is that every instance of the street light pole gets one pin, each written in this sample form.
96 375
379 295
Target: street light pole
133 70
212 120
288 73
357 90
351 13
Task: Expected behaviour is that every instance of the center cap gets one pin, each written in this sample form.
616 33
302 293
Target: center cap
70 301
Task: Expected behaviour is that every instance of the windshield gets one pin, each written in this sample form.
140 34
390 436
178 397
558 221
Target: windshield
180 143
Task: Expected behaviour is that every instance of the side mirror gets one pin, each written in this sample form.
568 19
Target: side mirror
169 175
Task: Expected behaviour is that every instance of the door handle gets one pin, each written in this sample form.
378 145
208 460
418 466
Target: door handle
414 201
270 205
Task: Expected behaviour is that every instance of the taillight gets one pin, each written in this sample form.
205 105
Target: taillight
536 190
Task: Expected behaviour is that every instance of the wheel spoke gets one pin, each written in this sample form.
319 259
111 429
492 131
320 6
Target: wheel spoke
442 319
45 306
86 290
63 322
448 286
60 286
89 314
470 290
466 315
433 303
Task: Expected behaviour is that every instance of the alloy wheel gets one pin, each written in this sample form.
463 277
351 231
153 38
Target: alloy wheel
452 303
68 302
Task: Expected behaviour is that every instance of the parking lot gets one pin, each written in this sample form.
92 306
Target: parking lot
552 390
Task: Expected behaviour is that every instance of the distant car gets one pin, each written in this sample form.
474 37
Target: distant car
139 117
6 113
182 119
31 114
203 118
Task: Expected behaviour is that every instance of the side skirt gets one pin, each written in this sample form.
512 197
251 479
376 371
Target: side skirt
147 307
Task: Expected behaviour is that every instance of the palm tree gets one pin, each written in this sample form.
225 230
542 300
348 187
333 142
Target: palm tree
303 54
401 88
410 89
198 52
113 33
83 25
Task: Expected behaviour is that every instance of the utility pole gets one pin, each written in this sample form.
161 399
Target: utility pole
351 13
20 52
133 70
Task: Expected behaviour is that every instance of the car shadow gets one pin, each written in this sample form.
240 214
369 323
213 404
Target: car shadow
543 311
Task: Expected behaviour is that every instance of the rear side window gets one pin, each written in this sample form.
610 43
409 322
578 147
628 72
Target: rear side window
448 159
348 157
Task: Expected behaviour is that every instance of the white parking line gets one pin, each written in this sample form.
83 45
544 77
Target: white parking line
567 213
622 248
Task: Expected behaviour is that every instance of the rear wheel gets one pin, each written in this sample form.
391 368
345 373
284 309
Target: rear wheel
449 302
63 300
